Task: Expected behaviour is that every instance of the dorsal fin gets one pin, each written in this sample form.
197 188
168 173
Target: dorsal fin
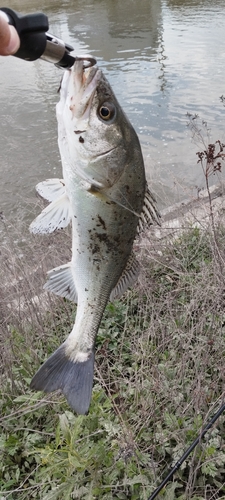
150 213
127 278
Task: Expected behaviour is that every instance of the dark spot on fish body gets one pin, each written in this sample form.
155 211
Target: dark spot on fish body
81 139
102 222
96 249
102 236
111 243
96 261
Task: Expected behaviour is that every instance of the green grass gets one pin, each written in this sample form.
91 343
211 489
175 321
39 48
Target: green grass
159 377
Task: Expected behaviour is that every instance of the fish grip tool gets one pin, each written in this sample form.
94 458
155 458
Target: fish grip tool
36 42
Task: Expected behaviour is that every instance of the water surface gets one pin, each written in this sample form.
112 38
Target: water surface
163 58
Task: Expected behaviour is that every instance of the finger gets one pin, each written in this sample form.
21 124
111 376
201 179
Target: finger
9 39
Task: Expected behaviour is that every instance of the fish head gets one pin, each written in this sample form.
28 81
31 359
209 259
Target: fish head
95 136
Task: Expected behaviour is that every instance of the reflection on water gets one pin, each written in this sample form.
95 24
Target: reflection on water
163 58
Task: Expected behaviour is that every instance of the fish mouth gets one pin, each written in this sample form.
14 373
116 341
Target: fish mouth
78 88
83 76
85 81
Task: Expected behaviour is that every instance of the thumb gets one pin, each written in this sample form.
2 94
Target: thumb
9 39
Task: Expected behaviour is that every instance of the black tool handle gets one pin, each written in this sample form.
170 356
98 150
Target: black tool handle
31 29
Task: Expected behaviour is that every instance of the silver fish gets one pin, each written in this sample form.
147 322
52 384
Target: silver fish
104 193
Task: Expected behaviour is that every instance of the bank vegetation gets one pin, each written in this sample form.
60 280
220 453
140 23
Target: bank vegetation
159 372
159 375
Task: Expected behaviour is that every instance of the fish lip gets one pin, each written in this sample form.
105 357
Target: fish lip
105 153
81 88
83 77
84 84
96 157
89 74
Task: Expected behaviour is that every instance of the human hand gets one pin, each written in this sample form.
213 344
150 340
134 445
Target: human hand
9 38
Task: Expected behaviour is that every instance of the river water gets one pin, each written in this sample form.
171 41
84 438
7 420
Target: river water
163 58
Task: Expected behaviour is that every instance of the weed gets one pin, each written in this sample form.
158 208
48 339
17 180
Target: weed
210 158
159 375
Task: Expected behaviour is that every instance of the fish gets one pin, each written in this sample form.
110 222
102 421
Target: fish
104 194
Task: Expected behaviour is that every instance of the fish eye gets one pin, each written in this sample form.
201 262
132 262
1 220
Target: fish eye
107 111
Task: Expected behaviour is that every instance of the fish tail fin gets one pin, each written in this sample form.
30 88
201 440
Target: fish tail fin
73 377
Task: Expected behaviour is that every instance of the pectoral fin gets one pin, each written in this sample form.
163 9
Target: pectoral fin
61 282
51 189
57 215
127 278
